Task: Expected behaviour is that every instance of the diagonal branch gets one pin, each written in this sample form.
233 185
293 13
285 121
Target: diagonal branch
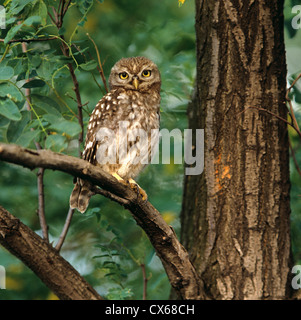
43 259
180 271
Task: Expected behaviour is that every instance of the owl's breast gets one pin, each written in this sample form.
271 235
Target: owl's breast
141 110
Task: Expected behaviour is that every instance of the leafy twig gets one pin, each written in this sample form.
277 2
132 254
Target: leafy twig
67 52
40 175
288 99
99 67
29 40
294 158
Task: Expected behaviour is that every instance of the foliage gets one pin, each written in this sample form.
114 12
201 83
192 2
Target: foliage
105 244
39 108
293 49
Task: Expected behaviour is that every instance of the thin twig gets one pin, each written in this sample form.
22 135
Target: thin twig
61 4
291 86
29 40
66 53
294 158
292 114
293 124
275 115
66 7
5 52
51 17
40 174
100 69
145 279
65 230
79 105
58 21
41 210
288 99
110 195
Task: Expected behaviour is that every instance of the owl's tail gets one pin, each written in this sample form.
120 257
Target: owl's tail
80 196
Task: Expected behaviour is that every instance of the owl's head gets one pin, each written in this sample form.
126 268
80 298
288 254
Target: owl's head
136 73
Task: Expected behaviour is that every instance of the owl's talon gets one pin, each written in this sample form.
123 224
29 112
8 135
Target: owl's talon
135 186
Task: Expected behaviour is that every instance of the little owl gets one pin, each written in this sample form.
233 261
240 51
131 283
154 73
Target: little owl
132 103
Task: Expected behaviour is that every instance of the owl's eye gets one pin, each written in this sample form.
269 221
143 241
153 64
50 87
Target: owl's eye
123 75
146 73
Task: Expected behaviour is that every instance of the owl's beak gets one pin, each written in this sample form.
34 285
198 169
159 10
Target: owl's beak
135 83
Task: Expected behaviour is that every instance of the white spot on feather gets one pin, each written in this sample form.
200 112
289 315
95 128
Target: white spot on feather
89 145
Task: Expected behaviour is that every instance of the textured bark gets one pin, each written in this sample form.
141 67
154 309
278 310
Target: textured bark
235 216
44 260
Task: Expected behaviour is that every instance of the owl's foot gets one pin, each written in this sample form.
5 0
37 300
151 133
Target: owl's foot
117 176
135 186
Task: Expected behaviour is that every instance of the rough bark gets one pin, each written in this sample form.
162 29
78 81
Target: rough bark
235 216
181 273
43 259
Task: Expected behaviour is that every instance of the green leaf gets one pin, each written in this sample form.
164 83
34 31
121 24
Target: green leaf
10 110
46 69
104 248
46 104
12 32
18 6
62 125
4 122
89 65
62 30
16 128
26 138
69 127
101 256
10 91
6 72
82 22
56 143
35 83
33 20
35 60
40 9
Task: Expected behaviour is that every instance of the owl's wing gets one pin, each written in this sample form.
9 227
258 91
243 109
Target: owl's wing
103 116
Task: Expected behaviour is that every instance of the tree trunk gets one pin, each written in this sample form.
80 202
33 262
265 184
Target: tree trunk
235 215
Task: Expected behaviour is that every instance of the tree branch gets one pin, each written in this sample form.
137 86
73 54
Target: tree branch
41 210
65 230
40 174
173 255
43 259
29 40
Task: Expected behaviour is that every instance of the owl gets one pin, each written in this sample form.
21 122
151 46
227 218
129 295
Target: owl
122 133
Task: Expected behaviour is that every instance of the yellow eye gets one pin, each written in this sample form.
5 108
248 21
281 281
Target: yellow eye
123 75
146 73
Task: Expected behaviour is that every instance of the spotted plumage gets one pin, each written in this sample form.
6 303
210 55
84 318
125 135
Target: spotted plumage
133 102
